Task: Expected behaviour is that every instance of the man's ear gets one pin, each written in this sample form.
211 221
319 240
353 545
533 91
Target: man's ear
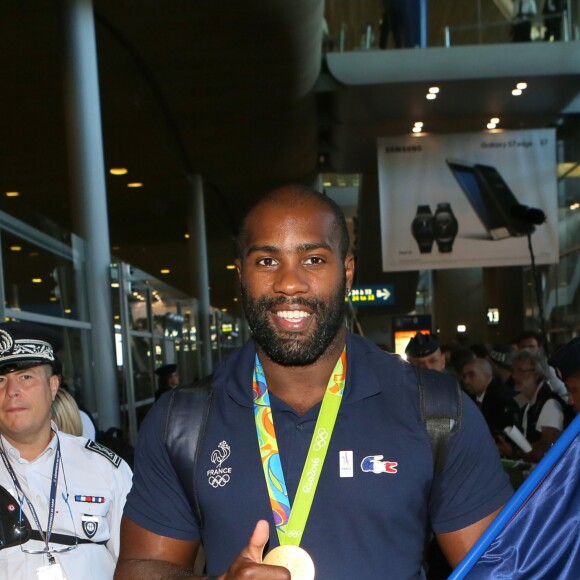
54 384
349 270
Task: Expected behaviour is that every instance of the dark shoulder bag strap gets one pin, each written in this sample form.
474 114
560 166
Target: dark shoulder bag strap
441 411
184 429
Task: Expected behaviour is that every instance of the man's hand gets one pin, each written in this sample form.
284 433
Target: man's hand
249 562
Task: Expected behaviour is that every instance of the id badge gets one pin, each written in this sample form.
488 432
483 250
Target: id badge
50 572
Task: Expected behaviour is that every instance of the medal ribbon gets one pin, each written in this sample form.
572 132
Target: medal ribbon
52 499
291 521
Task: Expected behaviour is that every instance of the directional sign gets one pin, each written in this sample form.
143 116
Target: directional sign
376 295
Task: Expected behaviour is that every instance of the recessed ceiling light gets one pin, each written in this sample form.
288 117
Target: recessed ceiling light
418 123
416 129
434 90
236 299
165 271
67 310
522 86
491 125
135 184
114 284
327 183
186 236
53 299
12 194
16 248
230 267
575 205
517 92
494 120
224 309
118 171
36 280
431 96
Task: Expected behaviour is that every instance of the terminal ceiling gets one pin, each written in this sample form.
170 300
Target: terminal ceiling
238 92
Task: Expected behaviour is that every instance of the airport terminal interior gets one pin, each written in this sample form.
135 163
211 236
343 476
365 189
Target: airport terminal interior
136 135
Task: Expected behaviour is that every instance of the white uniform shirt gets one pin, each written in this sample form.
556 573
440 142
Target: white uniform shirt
97 487
551 415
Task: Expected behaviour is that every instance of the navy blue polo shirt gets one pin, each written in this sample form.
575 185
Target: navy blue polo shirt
376 496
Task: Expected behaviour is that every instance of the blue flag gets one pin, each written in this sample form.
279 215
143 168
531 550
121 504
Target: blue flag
537 534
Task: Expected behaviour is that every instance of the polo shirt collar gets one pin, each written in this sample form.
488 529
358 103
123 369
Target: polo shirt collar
236 372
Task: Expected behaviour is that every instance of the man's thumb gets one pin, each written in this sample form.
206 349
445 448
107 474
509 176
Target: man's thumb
258 540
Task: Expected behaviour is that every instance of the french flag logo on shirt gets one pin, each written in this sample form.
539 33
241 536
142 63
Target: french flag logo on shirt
375 464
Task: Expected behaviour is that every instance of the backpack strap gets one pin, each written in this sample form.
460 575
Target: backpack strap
441 410
183 432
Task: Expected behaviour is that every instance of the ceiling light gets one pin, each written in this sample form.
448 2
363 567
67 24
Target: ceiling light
491 125
461 328
434 90
418 123
235 299
494 120
431 96
230 267
135 184
327 183
186 236
12 193
114 284
53 298
16 248
118 171
36 280
522 86
165 271
517 92
224 309
416 129
575 205
67 310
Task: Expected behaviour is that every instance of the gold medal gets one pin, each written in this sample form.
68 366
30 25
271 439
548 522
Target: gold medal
294 559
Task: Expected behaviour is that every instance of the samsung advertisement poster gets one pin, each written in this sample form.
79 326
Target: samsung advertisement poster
468 200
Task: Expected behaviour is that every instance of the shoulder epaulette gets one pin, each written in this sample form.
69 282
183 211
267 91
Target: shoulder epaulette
104 451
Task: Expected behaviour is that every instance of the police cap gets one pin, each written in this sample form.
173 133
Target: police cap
422 345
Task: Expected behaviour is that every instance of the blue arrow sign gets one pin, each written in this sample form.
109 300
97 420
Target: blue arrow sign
375 295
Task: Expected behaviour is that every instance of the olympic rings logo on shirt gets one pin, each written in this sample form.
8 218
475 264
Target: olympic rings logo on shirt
218 480
321 439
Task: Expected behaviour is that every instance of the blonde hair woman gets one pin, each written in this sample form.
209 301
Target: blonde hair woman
65 413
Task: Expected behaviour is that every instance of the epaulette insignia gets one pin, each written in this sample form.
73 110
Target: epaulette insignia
104 451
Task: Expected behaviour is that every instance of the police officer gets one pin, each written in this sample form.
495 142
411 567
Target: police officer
423 350
63 496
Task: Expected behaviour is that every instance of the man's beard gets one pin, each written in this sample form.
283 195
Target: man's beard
289 348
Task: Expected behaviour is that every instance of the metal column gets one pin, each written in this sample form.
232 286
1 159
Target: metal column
199 269
89 198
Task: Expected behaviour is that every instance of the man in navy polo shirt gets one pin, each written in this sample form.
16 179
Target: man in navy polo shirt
315 455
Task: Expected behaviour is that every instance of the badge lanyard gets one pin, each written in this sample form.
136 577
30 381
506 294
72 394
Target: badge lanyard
52 500
291 521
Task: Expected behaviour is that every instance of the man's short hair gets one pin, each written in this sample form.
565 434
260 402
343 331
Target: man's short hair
300 191
537 359
531 334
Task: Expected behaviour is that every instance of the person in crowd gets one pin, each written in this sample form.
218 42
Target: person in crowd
68 492
423 351
167 377
552 13
65 413
566 361
500 358
376 488
533 341
543 417
480 350
89 427
494 400
523 14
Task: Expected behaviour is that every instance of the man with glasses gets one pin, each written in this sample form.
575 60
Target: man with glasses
61 497
543 416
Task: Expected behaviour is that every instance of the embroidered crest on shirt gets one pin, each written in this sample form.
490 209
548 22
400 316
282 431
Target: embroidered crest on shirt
219 476
90 525
375 464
